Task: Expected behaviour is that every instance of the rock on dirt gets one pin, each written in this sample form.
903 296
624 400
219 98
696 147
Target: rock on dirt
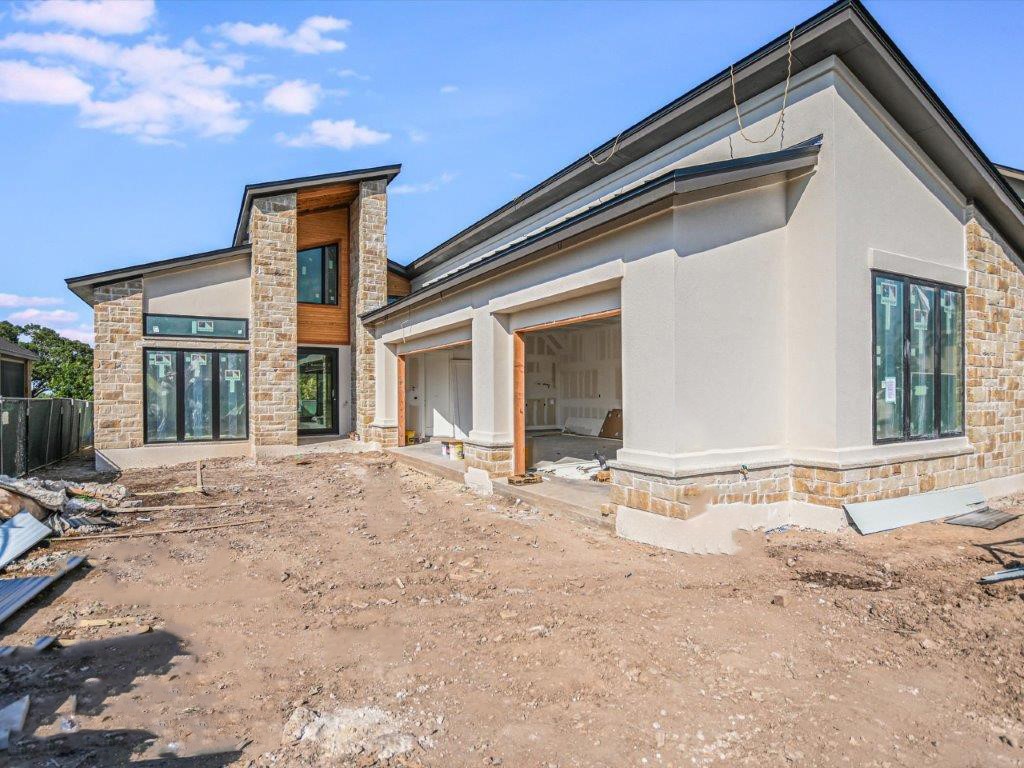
339 737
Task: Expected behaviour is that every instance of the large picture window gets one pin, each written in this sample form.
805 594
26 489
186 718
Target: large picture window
195 395
318 275
918 359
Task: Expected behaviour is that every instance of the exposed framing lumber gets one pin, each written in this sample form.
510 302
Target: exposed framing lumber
519 377
401 401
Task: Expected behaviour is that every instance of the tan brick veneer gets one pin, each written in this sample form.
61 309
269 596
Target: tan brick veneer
117 365
497 460
369 289
273 378
994 410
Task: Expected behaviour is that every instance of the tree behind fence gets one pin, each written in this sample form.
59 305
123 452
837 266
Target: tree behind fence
37 432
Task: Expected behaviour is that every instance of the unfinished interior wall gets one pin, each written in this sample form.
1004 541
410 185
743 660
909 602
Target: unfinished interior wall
573 373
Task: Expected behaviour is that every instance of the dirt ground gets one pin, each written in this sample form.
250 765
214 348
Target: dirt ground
482 632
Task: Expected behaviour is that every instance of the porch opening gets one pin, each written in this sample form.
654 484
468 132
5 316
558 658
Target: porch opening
568 396
435 395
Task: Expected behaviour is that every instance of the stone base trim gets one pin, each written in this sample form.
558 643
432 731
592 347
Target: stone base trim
385 436
496 460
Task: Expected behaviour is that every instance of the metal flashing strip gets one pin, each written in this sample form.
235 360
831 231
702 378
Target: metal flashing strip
18 535
875 516
15 593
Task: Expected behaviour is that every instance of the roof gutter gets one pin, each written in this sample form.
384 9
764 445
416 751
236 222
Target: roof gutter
677 187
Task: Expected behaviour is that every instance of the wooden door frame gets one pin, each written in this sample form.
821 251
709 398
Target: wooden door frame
519 378
401 382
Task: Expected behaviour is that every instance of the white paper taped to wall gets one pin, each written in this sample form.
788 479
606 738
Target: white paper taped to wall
890 389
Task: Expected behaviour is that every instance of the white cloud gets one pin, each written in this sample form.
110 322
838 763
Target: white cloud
449 89
21 81
12 301
337 134
148 90
104 17
43 316
294 97
81 333
353 74
427 186
416 136
307 38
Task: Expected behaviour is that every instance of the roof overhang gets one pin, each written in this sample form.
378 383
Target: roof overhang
11 351
270 188
83 286
681 186
844 29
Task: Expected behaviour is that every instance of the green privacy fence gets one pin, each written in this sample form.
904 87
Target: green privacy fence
34 433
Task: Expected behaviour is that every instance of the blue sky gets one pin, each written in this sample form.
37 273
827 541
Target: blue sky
130 129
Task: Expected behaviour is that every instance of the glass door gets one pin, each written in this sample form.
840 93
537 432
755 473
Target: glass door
318 391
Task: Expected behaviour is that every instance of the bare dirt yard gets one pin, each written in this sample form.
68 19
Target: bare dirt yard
379 617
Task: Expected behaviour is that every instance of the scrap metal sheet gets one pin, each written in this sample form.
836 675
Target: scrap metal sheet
18 535
14 593
875 516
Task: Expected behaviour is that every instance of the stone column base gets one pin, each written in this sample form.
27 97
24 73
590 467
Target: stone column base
496 460
386 436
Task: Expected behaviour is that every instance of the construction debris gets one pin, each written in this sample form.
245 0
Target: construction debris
986 518
1004 575
12 720
14 593
524 479
18 535
875 516
161 532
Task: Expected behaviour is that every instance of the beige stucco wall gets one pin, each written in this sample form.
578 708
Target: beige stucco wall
219 289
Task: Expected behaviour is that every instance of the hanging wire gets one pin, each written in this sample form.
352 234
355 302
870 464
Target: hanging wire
785 97
615 146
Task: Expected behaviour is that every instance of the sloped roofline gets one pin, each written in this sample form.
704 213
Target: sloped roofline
845 29
269 188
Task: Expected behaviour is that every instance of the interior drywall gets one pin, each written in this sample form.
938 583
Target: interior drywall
439 393
572 372
218 289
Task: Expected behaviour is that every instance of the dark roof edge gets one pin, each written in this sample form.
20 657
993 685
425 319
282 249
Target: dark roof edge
770 161
779 42
398 269
135 269
264 188
1009 170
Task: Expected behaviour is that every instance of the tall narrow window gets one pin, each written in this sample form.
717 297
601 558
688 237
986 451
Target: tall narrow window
918 359
888 358
161 396
195 395
317 276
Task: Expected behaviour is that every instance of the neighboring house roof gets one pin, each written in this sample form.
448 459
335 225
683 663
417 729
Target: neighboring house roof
845 29
269 188
83 285
640 199
10 349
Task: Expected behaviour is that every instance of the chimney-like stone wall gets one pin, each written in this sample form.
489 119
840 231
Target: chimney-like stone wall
117 365
273 379
369 290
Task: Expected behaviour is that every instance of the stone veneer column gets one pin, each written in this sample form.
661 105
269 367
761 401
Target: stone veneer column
368 249
274 335
117 365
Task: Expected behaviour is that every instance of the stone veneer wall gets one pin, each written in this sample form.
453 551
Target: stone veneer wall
368 272
117 365
273 380
994 412
497 460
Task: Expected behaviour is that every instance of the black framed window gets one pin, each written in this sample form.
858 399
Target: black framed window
193 394
191 327
317 275
918 330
